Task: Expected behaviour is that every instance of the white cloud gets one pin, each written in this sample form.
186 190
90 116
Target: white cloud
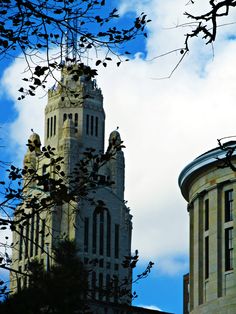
150 307
164 124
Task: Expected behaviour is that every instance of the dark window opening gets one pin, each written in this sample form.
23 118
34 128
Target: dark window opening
108 234
70 116
87 124
48 128
101 238
93 284
96 126
228 249
32 236
55 125
108 287
117 244
20 242
43 235
26 238
51 126
100 286
76 122
206 214
206 257
64 117
228 205
91 126
94 232
86 233
37 234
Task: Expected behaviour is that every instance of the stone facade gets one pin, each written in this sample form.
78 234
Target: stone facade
73 122
210 191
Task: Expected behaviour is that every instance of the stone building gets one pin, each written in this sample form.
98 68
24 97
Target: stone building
210 191
75 121
73 124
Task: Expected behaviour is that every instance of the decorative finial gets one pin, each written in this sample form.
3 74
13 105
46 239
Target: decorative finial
32 130
117 128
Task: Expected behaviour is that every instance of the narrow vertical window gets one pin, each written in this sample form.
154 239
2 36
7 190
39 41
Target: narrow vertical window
42 235
94 232
87 124
229 205
70 116
93 284
100 286
108 234
108 287
32 236
51 126
20 242
26 238
117 240
86 233
48 128
206 215
76 122
55 125
64 117
96 126
91 126
37 234
101 236
228 249
206 257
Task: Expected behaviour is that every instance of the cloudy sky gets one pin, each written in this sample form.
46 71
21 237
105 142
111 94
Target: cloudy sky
165 124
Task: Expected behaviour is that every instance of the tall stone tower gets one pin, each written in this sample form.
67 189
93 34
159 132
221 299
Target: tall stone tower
210 191
74 121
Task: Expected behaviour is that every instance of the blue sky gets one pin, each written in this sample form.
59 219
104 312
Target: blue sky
165 124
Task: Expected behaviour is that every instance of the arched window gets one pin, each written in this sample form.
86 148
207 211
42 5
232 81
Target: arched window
70 116
101 234
64 117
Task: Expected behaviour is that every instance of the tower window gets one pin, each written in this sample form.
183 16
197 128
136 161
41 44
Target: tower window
55 125
32 236
117 240
228 249
93 284
42 235
87 124
86 233
20 242
70 116
91 126
101 238
94 232
206 215
96 126
228 205
100 286
37 234
64 117
206 257
76 122
48 128
51 126
26 238
108 234
108 287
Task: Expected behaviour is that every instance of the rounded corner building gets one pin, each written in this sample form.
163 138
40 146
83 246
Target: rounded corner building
210 190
